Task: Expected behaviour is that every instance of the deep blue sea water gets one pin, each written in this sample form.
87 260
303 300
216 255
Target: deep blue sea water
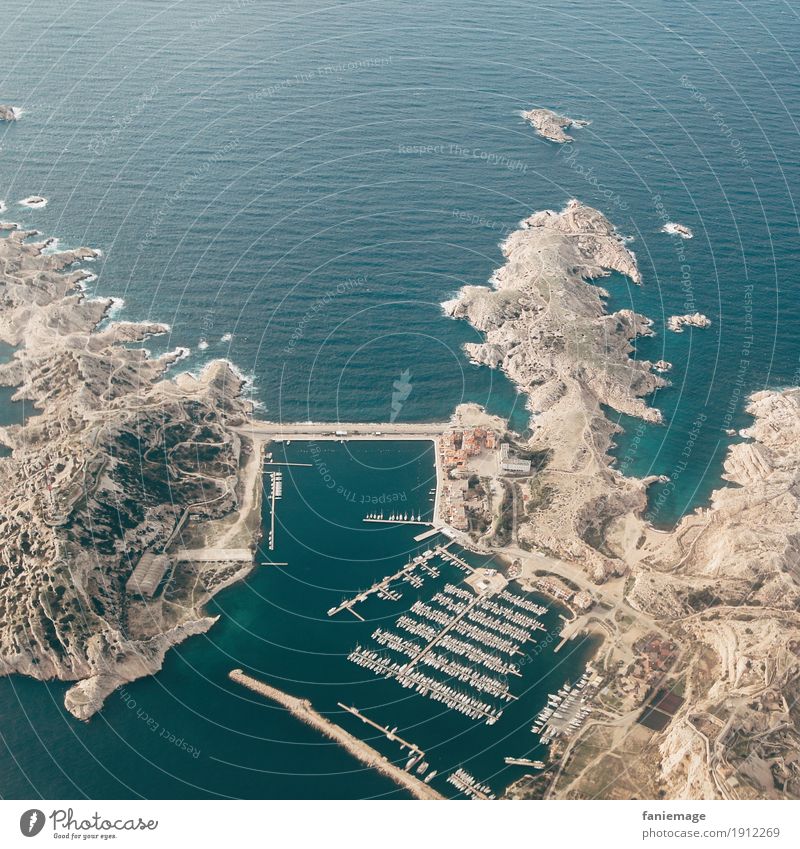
245 169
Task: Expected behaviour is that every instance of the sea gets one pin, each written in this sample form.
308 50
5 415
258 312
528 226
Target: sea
297 187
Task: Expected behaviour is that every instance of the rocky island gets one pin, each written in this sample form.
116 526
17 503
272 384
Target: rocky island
675 229
34 202
117 472
676 323
550 125
8 113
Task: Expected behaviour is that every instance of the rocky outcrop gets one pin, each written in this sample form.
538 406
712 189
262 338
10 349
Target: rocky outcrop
550 125
676 323
726 582
115 459
675 229
8 113
546 326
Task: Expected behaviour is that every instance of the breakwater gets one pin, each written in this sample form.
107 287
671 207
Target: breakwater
303 710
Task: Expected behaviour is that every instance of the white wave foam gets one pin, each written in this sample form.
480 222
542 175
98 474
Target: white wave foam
115 307
675 229
226 337
34 202
180 353
449 306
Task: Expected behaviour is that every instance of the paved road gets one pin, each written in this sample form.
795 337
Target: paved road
348 430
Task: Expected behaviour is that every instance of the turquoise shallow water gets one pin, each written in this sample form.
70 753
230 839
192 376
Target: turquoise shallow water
246 169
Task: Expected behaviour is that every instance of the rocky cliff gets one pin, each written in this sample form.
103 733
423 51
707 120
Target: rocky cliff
113 458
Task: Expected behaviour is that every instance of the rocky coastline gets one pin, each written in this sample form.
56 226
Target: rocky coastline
116 460
720 593
546 326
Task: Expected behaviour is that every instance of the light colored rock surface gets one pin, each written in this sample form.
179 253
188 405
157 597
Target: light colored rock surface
723 588
550 125
736 579
676 323
546 326
8 113
111 464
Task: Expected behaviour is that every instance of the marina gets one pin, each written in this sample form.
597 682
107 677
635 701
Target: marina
467 673
568 709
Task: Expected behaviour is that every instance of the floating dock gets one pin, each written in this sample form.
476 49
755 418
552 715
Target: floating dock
382 587
302 709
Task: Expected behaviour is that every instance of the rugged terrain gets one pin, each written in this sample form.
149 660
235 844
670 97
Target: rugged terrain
114 459
709 611
546 326
550 125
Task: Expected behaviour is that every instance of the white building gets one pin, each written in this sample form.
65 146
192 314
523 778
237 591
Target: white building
511 463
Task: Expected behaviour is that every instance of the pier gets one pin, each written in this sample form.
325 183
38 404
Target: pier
384 521
381 587
302 709
385 730
276 492
525 762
